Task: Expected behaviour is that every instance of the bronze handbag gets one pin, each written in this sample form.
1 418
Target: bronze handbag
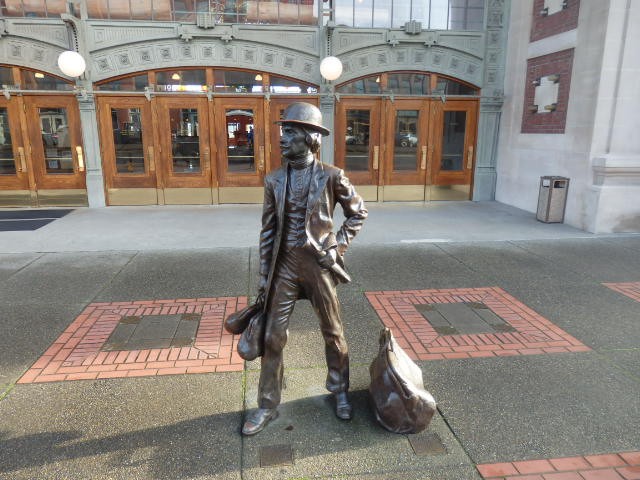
401 403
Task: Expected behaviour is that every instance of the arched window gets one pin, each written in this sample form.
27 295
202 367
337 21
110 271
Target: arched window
406 83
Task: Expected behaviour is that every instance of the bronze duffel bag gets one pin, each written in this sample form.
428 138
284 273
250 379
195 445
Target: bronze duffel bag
401 403
237 322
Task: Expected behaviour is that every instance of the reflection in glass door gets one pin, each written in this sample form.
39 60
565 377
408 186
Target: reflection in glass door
239 127
357 137
54 125
7 160
127 140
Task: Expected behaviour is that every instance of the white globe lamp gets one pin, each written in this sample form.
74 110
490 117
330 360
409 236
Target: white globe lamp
331 68
71 63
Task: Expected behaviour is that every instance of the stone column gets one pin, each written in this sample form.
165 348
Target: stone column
484 180
327 107
91 146
613 197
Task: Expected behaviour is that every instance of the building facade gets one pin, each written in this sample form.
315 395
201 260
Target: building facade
437 100
581 60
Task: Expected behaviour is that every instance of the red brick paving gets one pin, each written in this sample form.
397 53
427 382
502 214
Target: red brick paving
76 354
630 289
614 466
534 334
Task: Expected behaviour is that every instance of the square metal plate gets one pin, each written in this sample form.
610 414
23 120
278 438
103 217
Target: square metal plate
275 455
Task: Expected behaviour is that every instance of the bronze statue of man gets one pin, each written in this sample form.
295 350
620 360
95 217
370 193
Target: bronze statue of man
301 257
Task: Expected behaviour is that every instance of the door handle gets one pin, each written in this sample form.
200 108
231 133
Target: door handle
152 162
376 157
80 156
469 157
261 158
22 168
207 160
423 164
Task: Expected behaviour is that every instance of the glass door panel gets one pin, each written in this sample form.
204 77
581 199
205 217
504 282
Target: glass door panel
127 141
185 140
357 146
239 127
7 160
357 137
405 145
453 136
240 141
54 125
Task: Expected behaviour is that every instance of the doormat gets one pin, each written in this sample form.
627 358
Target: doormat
29 220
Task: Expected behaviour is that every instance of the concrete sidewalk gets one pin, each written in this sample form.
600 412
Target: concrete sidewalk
212 226
553 396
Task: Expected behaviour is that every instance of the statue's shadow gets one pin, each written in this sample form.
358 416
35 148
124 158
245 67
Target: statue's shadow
208 445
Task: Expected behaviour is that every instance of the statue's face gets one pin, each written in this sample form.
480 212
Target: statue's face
292 141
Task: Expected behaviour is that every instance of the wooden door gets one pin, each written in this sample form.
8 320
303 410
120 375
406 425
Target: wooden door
55 150
184 159
454 133
240 149
14 169
128 150
407 142
357 143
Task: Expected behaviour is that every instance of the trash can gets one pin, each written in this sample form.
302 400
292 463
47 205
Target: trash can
552 199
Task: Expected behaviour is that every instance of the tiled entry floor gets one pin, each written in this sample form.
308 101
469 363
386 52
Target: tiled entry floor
621 466
468 323
630 289
143 338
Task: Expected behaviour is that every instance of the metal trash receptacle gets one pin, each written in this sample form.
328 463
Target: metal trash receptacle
552 199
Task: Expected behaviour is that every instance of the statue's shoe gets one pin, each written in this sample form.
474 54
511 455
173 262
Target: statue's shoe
343 407
258 419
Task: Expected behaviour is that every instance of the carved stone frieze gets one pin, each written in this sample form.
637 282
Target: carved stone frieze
300 39
143 57
31 54
47 33
109 35
437 59
349 40
346 40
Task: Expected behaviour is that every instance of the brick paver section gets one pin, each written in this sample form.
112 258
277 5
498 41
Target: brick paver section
534 334
614 466
76 354
630 289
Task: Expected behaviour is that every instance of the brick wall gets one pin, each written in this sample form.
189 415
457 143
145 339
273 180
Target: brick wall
563 21
559 63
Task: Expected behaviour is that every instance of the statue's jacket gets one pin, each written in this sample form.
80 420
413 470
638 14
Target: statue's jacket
329 186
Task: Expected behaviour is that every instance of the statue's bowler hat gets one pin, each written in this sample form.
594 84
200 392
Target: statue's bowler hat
305 115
